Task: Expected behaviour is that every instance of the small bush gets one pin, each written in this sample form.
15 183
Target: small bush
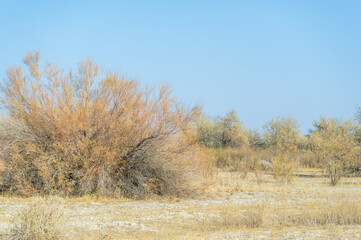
334 141
224 132
283 134
283 168
241 159
229 158
41 220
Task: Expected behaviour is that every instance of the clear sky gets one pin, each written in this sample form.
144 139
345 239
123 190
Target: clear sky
262 58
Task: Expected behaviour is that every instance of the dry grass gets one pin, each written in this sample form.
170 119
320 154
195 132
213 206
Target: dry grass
266 216
39 220
235 218
307 208
346 212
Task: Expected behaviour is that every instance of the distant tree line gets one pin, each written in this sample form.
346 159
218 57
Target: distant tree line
332 145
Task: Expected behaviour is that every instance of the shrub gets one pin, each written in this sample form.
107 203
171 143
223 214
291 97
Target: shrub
227 131
358 125
208 132
93 132
229 158
241 159
255 140
335 141
282 134
283 168
40 220
284 138
232 131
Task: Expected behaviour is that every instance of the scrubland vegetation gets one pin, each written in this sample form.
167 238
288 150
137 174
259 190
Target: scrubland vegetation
333 146
99 136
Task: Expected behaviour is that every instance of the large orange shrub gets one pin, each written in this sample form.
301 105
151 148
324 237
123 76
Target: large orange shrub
92 132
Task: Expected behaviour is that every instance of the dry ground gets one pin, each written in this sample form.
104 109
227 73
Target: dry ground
233 208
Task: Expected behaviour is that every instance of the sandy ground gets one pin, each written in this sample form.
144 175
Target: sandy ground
89 218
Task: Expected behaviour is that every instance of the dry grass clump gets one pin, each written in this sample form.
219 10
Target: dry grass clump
235 217
341 213
93 133
40 220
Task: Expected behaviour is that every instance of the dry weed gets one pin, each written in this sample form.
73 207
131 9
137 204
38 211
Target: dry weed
341 213
235 218
40 220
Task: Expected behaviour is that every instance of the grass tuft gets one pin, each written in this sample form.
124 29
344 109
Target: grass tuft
40 220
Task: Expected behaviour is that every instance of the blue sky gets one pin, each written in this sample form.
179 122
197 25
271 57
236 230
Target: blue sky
265 59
